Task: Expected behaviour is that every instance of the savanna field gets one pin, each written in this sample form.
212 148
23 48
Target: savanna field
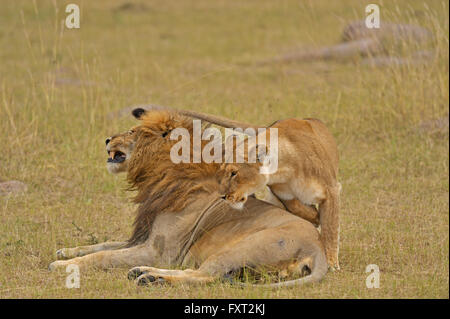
62 90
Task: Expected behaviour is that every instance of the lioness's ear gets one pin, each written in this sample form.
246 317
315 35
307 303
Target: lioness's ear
261 153
137 113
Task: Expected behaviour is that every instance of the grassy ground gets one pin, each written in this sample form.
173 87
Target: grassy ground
57 87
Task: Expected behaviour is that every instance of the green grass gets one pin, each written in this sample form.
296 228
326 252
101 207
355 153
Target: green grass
57 87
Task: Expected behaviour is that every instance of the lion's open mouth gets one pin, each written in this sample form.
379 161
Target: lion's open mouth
116 157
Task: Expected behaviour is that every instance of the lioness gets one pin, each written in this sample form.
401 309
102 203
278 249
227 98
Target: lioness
306 176
183 220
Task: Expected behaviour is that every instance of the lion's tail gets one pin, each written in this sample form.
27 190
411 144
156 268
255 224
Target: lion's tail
319 270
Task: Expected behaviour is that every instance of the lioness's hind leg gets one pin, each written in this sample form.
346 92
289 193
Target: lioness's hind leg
68 253
329 223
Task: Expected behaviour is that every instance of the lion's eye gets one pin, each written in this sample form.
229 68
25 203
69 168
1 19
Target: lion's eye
130 132
165 134
233 173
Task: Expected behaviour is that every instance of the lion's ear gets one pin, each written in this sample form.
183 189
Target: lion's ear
137 113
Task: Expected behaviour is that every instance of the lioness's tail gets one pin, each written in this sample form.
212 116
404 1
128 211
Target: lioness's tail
218 120
319 270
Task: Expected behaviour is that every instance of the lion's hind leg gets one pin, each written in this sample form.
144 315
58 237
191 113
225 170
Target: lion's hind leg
269 247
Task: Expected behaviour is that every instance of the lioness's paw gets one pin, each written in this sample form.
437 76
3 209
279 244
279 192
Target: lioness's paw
334 267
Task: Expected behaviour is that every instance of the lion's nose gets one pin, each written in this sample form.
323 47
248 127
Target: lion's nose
107 140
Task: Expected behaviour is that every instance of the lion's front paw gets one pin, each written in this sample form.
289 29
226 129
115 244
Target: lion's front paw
61 254
67 253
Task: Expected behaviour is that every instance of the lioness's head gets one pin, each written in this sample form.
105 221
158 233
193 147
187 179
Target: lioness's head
238 181
119 148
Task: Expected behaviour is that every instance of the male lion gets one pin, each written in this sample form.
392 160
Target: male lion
182 219
306 176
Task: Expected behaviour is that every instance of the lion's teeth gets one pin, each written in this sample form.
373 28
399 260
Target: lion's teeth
111 154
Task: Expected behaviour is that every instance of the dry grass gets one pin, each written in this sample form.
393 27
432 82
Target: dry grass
57 87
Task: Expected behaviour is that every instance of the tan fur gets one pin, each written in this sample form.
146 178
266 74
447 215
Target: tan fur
306 176
182 220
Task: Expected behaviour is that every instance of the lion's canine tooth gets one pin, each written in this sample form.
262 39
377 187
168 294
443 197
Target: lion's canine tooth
111 154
